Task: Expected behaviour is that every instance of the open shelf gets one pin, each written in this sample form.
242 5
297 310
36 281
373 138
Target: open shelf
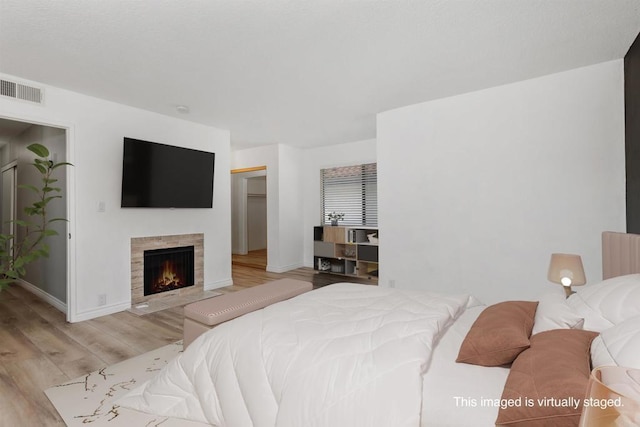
346 250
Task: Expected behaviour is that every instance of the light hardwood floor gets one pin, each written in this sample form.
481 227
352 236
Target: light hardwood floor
39 349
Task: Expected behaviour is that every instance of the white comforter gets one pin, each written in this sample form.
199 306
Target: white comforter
343 355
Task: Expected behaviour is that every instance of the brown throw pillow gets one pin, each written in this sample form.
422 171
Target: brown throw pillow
499 334
548 381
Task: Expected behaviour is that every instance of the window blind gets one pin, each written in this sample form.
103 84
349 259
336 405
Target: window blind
352 190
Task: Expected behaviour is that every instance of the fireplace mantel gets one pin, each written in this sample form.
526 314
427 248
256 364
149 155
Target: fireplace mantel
141 244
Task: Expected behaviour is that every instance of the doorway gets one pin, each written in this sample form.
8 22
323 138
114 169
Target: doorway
249 217
45 277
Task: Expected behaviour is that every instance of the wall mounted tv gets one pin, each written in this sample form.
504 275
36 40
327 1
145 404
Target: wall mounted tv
164 176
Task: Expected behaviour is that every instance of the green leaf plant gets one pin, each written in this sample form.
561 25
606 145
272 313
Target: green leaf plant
20 249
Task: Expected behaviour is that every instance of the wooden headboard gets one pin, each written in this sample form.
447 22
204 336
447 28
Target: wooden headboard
620 254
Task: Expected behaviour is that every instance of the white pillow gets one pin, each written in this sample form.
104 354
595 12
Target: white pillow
593 320
554 313
600 355
618 346
613 300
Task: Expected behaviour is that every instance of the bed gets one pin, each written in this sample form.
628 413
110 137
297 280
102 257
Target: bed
358 355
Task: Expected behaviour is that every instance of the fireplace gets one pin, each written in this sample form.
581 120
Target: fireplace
168 269
142 245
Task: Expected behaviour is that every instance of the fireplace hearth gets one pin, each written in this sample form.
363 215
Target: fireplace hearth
168 269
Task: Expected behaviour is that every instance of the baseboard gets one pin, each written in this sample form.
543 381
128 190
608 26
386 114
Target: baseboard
79 317
62 306
116 308
218 284
101 311
284 268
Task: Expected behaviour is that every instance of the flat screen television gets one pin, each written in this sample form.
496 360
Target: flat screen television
164 176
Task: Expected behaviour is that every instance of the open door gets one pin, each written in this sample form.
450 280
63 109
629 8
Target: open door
8 212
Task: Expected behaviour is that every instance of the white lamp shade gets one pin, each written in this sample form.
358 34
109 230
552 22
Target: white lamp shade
566 266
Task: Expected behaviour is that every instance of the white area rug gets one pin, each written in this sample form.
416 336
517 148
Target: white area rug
88 400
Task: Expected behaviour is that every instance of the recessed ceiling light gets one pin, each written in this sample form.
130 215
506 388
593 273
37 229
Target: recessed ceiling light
182 109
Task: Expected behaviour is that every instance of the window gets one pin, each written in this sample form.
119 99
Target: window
352 190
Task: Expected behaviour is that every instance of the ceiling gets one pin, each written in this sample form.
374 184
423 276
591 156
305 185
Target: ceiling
301 72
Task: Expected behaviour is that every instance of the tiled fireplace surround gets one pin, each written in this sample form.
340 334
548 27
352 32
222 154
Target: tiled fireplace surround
141 244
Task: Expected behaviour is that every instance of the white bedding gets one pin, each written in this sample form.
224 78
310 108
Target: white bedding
458 394
345 355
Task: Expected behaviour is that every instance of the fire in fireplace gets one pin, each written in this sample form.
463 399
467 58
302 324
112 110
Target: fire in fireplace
168 269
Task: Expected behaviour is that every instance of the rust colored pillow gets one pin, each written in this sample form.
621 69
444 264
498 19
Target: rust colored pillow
548 381
499 334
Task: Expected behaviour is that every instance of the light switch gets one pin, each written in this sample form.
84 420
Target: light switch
101 206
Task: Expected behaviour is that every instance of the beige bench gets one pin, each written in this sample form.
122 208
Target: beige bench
203 315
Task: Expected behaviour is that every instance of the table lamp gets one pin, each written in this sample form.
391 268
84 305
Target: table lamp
566 270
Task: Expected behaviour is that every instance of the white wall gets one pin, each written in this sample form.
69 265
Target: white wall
290 214
477 190
5 151
293 194
284 209
315 159
101 240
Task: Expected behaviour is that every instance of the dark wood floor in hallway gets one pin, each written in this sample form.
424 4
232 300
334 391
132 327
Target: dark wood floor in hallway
256 259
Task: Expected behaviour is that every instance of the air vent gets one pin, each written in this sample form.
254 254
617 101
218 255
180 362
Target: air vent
20 91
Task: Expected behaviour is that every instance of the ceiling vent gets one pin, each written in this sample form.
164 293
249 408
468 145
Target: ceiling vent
20 91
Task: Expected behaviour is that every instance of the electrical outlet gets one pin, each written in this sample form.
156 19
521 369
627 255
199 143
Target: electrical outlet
102 299
392 283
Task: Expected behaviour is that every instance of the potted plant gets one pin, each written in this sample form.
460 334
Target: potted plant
20 249
335 217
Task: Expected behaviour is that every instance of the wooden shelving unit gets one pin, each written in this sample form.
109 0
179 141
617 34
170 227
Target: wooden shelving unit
346 250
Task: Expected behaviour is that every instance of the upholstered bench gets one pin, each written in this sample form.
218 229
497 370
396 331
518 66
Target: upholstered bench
203 315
